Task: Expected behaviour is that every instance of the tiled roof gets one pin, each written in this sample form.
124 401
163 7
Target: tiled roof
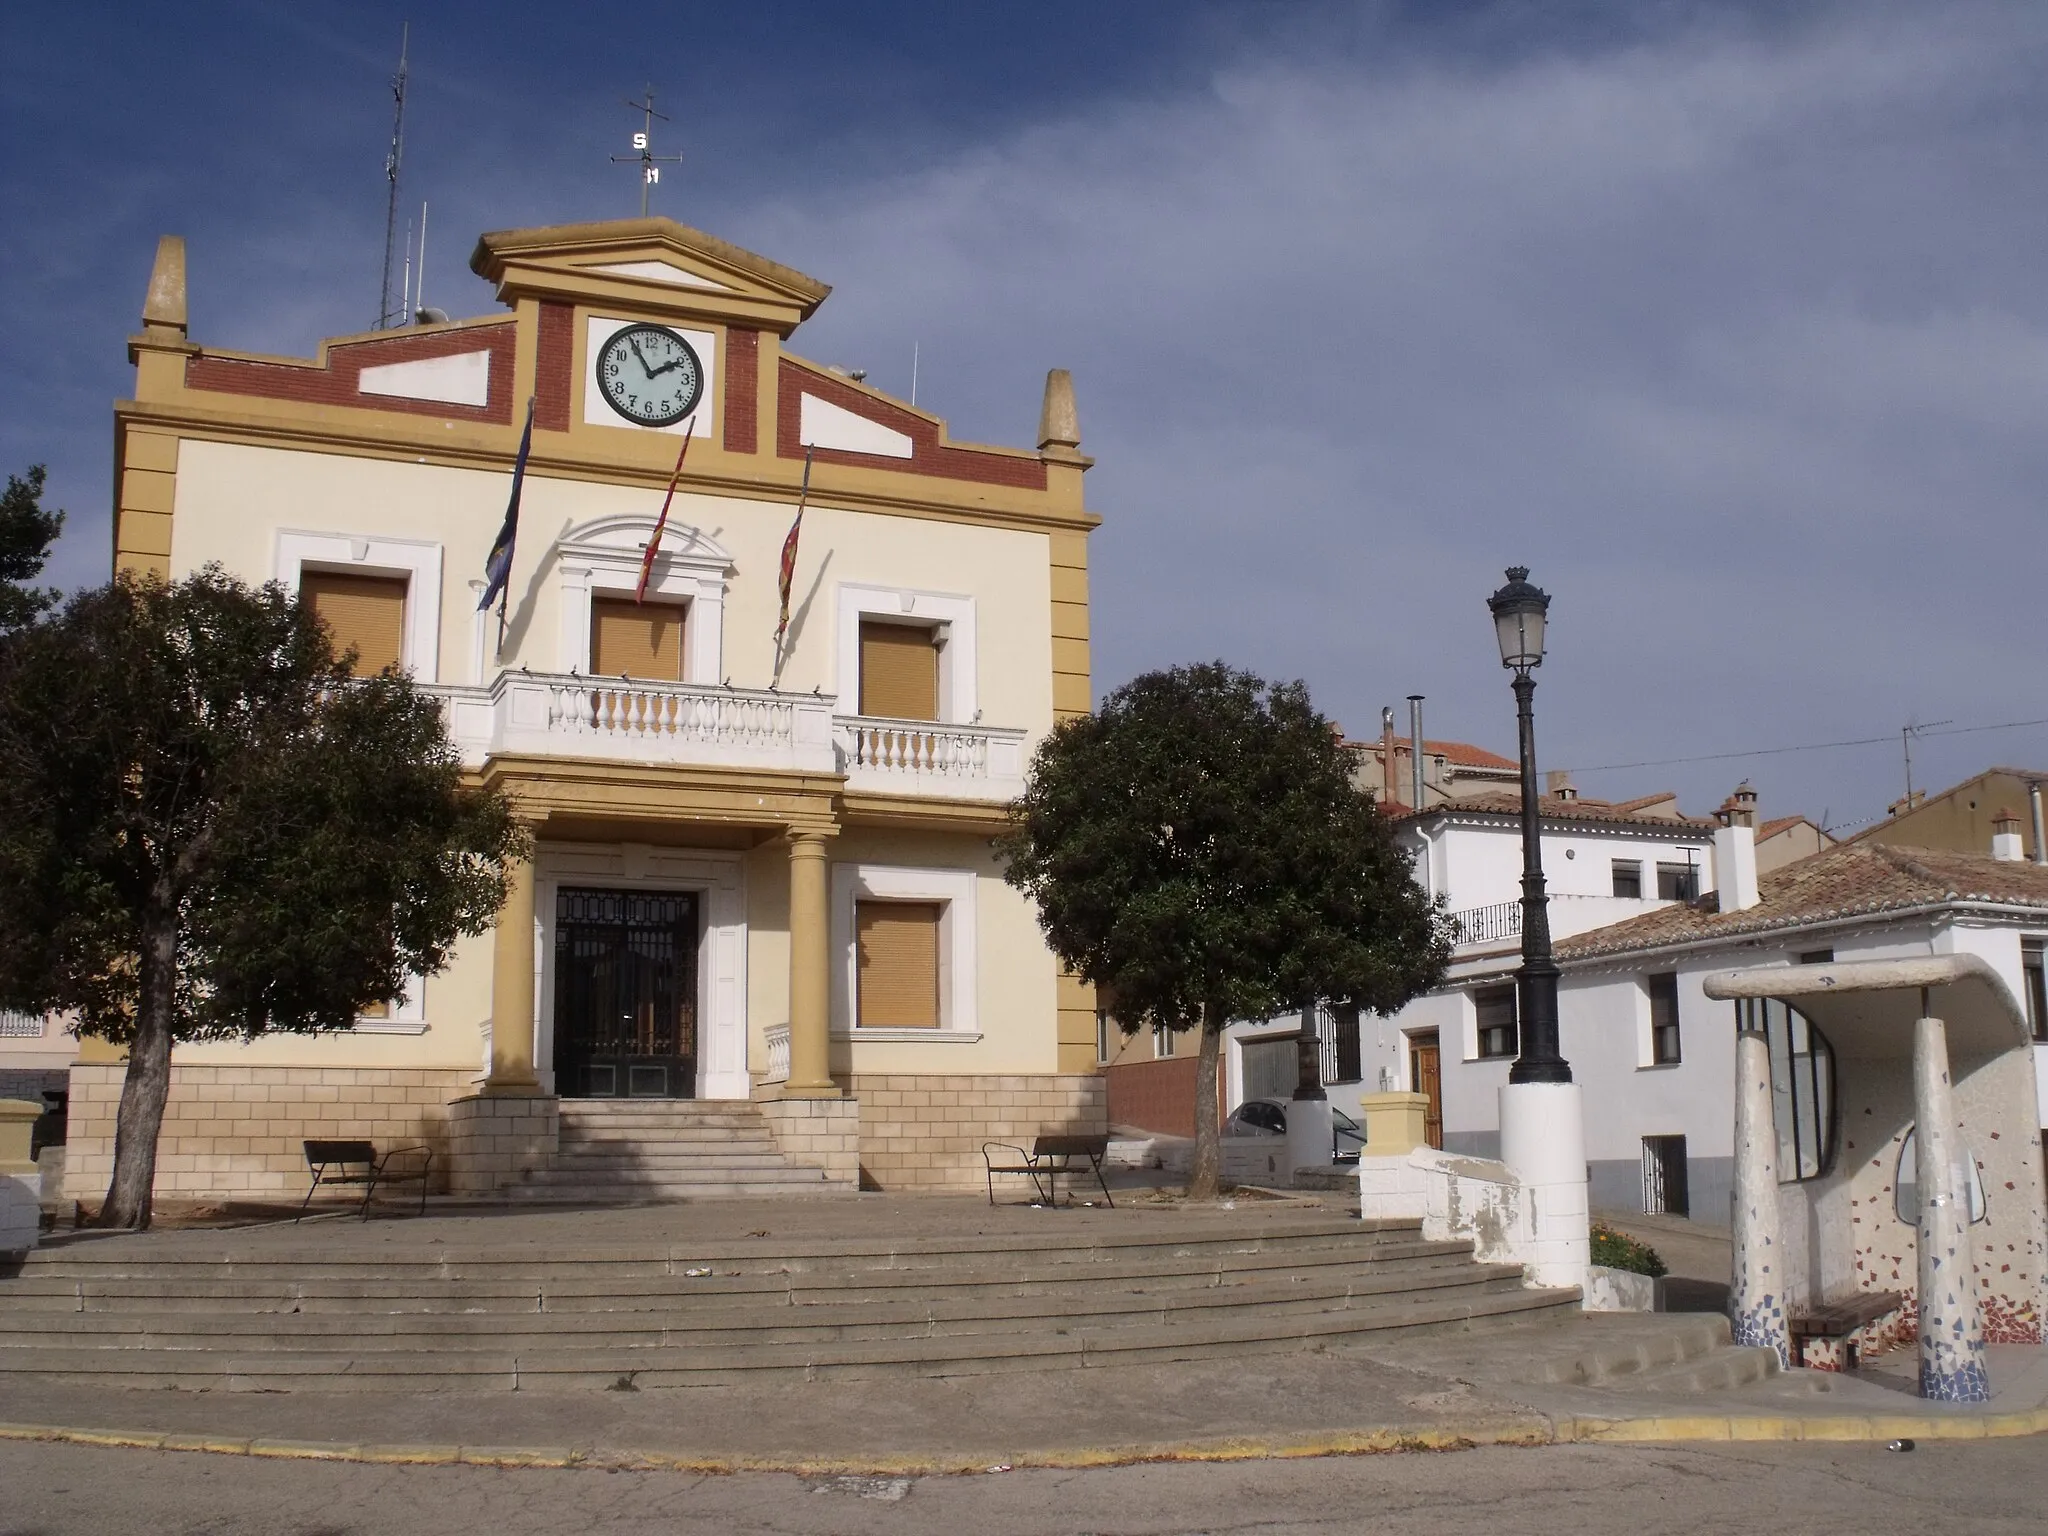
1850 880
1550 808
1460 754
1781 823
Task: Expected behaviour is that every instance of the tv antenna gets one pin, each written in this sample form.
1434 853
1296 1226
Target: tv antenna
1906 735
391 176
643 149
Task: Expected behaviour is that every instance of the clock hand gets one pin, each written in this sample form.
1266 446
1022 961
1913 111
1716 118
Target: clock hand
634 343
667 367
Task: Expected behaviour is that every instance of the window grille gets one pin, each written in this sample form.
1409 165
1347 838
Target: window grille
1678 882
1628 878
2031 966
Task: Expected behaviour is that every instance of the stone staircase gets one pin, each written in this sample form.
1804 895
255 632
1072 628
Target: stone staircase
420 1319
615 1151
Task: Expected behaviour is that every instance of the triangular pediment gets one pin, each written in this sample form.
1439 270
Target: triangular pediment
654 267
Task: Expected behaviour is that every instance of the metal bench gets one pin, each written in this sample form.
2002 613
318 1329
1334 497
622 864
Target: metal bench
359 1162
1838 1320
1049 1158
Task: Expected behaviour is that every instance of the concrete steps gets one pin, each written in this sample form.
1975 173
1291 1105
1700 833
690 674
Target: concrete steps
480 1319
621 1151
1694 1354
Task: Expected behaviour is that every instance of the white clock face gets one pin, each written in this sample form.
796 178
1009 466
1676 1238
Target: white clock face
649 375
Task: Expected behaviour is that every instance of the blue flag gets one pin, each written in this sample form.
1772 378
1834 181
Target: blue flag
498 564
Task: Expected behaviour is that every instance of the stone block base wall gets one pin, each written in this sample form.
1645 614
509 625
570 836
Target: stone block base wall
496 1141
239 1132
821 1133
924 1134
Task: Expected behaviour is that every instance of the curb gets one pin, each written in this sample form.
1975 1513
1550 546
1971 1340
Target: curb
1531 1430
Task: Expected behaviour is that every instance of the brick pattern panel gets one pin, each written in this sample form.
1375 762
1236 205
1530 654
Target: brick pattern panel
336 382
239 1132
742 390
922 1134
553 362
928 455
1156 1096
821 1133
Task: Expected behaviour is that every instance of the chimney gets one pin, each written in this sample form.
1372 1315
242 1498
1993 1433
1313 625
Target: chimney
1735 866
1558 785
1390 773
163 307
1415 745
2005 836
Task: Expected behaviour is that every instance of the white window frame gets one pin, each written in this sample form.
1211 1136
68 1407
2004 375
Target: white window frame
954 890
346 554
603 558
408 1014
950 615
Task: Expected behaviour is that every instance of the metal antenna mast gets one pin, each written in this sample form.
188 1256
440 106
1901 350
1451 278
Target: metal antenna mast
643 149
391 176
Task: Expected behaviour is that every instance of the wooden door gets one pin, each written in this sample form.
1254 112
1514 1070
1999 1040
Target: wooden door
1425 1075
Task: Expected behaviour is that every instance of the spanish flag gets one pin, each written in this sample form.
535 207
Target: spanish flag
788 575
661 522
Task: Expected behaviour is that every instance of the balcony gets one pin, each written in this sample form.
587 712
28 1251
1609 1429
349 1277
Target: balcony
1501 922
917 757
556 715
643 721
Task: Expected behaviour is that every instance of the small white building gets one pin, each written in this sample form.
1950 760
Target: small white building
1654 1055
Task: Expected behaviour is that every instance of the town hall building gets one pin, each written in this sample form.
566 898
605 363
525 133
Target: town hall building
763 939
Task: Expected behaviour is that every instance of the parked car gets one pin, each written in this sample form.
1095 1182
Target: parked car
1268 1117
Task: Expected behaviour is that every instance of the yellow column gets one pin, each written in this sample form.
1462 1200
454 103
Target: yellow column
512 989
810 1041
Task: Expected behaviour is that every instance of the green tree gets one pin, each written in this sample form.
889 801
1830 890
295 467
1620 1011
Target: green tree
1198 849
209 830
26 534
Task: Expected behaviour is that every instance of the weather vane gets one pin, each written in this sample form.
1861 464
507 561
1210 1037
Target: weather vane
643 149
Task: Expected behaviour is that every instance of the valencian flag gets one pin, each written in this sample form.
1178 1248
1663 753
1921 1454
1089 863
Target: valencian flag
789 560
661 522
498 564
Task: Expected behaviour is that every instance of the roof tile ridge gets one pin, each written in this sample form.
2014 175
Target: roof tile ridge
1902 860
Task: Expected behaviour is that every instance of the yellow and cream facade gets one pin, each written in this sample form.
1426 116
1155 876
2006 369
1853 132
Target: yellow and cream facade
758 877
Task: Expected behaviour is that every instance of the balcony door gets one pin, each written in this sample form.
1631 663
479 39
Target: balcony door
626 994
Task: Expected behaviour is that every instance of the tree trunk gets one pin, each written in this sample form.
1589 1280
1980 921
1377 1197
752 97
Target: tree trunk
147 1085
1205 1180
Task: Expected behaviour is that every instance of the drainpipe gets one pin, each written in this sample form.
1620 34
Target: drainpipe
1415 751
1390 775
2040 837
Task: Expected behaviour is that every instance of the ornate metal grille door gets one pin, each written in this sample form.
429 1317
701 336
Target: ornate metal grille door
626 994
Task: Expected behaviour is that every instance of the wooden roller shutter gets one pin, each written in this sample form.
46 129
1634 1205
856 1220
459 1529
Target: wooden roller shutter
899 964
366 612
629 639
899 672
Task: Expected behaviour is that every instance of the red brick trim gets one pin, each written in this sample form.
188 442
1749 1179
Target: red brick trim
742 390
928 455
554 361
337 383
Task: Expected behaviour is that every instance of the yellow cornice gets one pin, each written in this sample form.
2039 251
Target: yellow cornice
915 813
595 789
407 438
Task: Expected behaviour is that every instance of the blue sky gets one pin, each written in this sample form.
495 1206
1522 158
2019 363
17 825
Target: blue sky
1728 320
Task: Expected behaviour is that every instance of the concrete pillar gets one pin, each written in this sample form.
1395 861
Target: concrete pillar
1543 1142
1395 1123
810 1039
1951 1322
1756 1292
512 1071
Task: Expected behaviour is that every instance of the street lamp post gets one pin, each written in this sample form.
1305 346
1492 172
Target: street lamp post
1542 1119
1519 613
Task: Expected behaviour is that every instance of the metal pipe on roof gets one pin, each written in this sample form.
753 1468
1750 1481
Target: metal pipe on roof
2040 840
1415 756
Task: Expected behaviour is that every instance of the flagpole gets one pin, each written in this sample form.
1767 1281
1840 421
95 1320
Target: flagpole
789 564
498 565
661 522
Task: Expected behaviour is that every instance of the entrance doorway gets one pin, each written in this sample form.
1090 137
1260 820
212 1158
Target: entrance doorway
626 994
1426 1076
1664 1183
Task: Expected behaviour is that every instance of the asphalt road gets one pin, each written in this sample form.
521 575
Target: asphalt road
1987 1486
